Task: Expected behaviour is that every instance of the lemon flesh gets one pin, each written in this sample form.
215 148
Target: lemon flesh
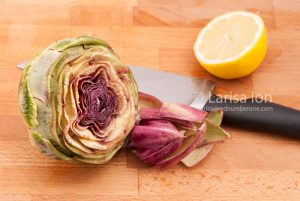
232 45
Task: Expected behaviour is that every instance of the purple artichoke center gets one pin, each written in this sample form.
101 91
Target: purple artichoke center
98 102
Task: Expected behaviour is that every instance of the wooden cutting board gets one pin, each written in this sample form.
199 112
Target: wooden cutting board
158 34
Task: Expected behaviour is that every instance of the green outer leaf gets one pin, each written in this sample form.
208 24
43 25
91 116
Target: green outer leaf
62 149
39 142
82 40
215 117
197 155
27 105
38 76
214 133
57 45
46 147
44 117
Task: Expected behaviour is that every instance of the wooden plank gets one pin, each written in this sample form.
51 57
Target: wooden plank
194 13
106 15
286 14
20 153
232 197
10 14
67 180
11 82
74 2
253 184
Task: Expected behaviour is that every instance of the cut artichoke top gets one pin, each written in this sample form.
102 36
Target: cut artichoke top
78 100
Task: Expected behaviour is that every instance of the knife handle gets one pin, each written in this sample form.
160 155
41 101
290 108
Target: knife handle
258 115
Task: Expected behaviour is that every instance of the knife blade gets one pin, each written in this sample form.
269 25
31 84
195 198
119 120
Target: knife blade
171 87
250 114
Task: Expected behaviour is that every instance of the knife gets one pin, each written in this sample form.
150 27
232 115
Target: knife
250 114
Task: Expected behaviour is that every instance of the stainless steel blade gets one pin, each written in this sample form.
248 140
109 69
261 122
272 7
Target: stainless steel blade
205 91
171 87
22 65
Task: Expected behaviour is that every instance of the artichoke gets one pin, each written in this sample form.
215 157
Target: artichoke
78 100
81 103
169 133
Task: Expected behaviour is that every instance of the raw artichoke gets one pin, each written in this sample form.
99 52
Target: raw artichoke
78 100
81 103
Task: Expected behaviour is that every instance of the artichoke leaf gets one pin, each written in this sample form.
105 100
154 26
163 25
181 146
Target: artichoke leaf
93 155
26 102
197 155
46 147
155 139
188 145
215 117
93 144
98 161
174 111
75 142
82 40
39 73
148 101
44 116
214 134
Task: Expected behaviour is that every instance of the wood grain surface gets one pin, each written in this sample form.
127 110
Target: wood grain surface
158 34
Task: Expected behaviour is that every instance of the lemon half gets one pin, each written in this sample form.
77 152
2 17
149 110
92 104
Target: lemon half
232 45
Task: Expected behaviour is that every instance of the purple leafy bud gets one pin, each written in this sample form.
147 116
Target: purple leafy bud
169 132
188 145
155 139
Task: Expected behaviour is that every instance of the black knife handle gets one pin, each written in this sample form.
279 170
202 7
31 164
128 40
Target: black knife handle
258 115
